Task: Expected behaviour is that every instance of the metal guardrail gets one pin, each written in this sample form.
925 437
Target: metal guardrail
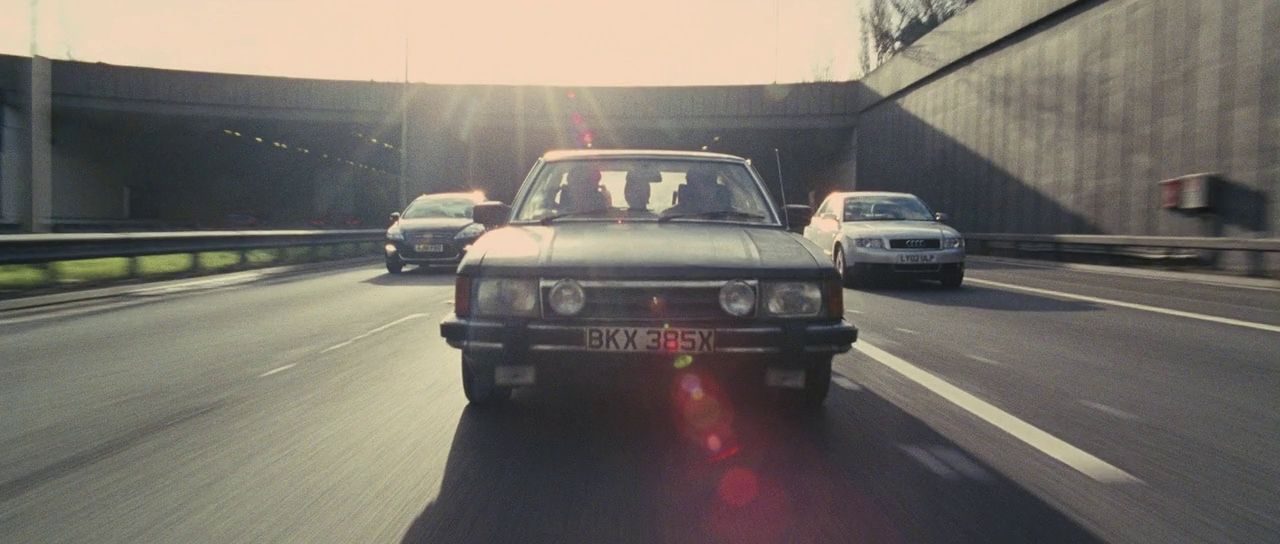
46 248
1178 242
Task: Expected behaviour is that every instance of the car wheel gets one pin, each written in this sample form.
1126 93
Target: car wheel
953 279
394 267
849 276
478 386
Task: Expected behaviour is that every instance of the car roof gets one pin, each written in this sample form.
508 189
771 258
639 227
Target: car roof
844 194
588 154
471 195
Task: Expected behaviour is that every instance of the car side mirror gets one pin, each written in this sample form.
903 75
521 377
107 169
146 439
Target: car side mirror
395 216
798 216
940 217
491 214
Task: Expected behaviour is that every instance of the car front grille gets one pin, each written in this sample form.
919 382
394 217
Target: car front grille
915 243
430 237
645 300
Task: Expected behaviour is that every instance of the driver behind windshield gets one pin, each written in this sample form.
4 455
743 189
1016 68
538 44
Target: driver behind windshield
699 194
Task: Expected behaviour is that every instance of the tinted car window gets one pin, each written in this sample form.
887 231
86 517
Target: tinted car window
886 208
440 207
639 189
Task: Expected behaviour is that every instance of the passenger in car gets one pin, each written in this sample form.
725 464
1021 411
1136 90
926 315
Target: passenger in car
582 192
637 190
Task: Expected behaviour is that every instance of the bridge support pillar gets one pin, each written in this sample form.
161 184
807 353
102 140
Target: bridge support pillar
26 149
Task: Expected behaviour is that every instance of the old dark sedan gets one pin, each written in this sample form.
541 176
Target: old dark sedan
433 229
655 260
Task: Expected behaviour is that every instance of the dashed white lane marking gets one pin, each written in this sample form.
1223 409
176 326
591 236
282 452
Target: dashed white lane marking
372 332
930 462
908 331
853 311
982 359
961 462
1130 305
1048 444
1109 410
281 369
845 383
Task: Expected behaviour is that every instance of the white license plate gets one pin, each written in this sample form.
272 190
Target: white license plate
429 248
646 339
917 258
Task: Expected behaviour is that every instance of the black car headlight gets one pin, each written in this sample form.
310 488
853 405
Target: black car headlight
506 297
566 298
792 298
952 242
738 298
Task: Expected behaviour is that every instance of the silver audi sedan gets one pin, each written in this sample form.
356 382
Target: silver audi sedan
881 234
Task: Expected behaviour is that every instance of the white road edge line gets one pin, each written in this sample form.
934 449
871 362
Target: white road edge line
372 332
1130 305
1048 444
281 369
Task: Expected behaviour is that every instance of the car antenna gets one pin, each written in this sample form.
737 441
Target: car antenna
782 187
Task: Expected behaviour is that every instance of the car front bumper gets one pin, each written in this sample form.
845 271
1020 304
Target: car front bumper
516 338
404 253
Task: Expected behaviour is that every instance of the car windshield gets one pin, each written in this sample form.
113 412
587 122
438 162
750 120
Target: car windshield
644 190
453 207
886 208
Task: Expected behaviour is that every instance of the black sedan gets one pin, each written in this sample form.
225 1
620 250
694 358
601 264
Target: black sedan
646 260
433 229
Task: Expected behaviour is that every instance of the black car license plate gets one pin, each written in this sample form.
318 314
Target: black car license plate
641 339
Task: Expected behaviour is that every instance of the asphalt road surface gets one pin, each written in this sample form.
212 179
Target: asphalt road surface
1033 405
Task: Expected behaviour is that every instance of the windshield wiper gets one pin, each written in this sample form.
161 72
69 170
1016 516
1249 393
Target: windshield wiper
547 220
717 214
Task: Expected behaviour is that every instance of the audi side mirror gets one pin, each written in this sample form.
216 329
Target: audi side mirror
491 214
940 217
395 216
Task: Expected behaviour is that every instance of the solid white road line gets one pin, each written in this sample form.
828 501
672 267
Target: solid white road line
281 369
1131 305
1050 445
372 332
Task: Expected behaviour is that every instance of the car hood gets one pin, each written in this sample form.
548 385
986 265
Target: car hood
899 229
433 223
645 250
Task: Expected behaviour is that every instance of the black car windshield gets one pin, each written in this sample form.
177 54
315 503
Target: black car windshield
886 208
640 189
450 207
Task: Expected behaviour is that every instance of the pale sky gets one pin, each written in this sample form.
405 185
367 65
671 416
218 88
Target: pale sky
559 42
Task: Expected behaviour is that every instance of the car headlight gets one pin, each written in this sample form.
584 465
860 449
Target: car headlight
470 231
394 233
793 299
504 296
566 298
949 242
738 298
873 243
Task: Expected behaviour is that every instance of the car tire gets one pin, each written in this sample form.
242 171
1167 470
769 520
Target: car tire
395 267
478 386
849 276
952 280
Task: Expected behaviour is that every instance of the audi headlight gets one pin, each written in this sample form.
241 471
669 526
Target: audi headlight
873 243
793 299
566 298
949 242
394 233
738 298
506 297
470 231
